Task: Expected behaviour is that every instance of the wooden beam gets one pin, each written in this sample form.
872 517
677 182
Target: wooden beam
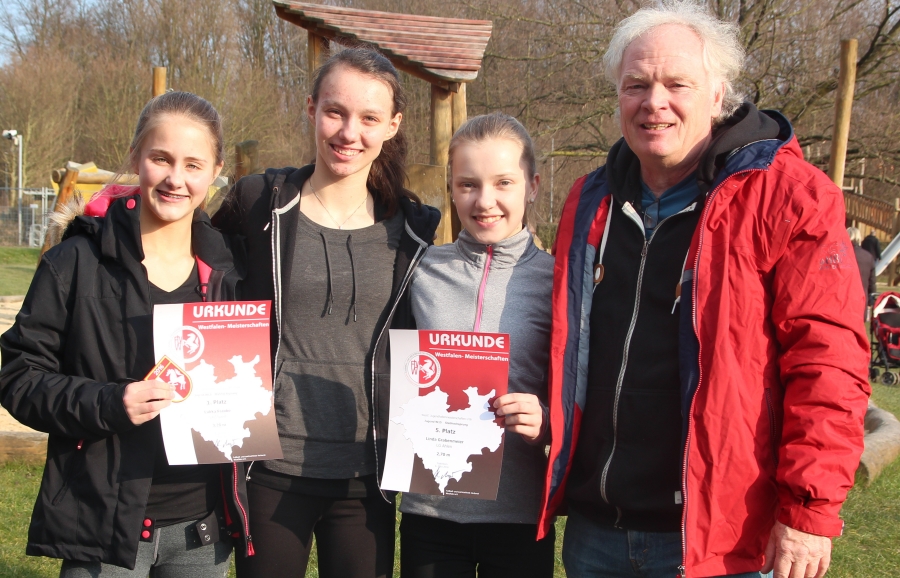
460 115
843 106
159 80
316 51
441 125
441 131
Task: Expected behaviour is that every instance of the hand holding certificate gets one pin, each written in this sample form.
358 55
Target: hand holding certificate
445 438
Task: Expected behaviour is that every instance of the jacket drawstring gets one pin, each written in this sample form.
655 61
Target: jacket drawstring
352 273
330 297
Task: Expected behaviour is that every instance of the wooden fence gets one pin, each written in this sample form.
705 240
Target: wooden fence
877 214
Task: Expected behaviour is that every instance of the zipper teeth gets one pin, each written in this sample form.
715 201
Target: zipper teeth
690 416
481 289
621 378
413 264
276 279
237 500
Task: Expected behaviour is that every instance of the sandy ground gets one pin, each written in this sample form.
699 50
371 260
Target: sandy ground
8 312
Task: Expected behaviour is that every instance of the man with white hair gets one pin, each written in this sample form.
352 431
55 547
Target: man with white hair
708 376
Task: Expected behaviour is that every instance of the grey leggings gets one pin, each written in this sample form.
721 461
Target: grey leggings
175 552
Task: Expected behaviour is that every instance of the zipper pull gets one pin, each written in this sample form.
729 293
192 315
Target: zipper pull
677 297
79 445
681 573
250 550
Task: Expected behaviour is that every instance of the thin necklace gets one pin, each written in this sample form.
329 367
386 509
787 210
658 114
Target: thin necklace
340 225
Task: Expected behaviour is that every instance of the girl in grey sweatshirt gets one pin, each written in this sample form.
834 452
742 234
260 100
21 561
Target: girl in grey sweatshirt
492 279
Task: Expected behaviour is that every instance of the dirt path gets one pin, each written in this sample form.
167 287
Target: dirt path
8 312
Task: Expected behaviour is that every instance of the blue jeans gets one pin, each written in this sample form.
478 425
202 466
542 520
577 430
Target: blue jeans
592 551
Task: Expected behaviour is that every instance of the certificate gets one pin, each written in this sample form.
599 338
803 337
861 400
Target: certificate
216 355
444 437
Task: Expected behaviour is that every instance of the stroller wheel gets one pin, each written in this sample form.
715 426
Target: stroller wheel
874 372
888 378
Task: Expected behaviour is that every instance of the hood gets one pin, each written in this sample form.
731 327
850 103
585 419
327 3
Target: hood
746 126
64 215
116 229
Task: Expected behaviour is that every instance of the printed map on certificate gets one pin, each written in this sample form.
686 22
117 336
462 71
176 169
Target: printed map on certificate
444 437
217 357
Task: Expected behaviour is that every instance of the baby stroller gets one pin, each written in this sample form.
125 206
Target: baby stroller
885 338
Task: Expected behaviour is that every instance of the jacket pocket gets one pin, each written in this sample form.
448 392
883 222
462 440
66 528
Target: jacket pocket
71 470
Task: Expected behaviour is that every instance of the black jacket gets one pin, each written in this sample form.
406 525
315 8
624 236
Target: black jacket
84 332
866 263
261 206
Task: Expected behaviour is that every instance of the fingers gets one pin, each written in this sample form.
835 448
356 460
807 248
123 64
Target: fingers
143 400
770 555
792 553
522 414
143 413
517 403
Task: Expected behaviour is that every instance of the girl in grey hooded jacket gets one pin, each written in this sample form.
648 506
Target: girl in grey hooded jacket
492 279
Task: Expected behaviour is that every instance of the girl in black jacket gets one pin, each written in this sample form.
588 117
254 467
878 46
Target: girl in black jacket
333 244
74 364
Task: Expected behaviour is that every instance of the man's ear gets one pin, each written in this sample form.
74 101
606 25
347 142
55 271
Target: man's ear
718 100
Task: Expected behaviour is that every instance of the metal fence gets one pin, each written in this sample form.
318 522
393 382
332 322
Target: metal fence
23 215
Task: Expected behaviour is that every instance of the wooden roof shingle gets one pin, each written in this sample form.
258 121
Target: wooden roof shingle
443 51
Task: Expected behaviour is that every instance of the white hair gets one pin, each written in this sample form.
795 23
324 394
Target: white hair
854 234
723 55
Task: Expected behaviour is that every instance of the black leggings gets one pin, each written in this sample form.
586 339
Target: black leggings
354 537
434 548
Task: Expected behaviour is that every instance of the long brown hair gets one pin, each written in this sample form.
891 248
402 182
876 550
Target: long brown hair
387 176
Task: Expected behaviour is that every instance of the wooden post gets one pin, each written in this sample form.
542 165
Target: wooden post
843 105
246 158
159 80
441 131
460 114
316 49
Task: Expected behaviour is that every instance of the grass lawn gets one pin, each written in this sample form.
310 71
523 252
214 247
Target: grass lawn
870 547
17 265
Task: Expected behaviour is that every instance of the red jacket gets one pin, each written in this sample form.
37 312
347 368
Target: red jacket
777 389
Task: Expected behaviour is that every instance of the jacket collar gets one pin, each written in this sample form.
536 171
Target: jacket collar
747 140
505 254
118 234
287 183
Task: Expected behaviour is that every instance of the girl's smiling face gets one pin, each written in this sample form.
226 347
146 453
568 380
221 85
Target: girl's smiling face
491 187
353 117
175 166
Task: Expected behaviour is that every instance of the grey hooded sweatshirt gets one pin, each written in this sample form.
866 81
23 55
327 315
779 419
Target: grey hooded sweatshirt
510 282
